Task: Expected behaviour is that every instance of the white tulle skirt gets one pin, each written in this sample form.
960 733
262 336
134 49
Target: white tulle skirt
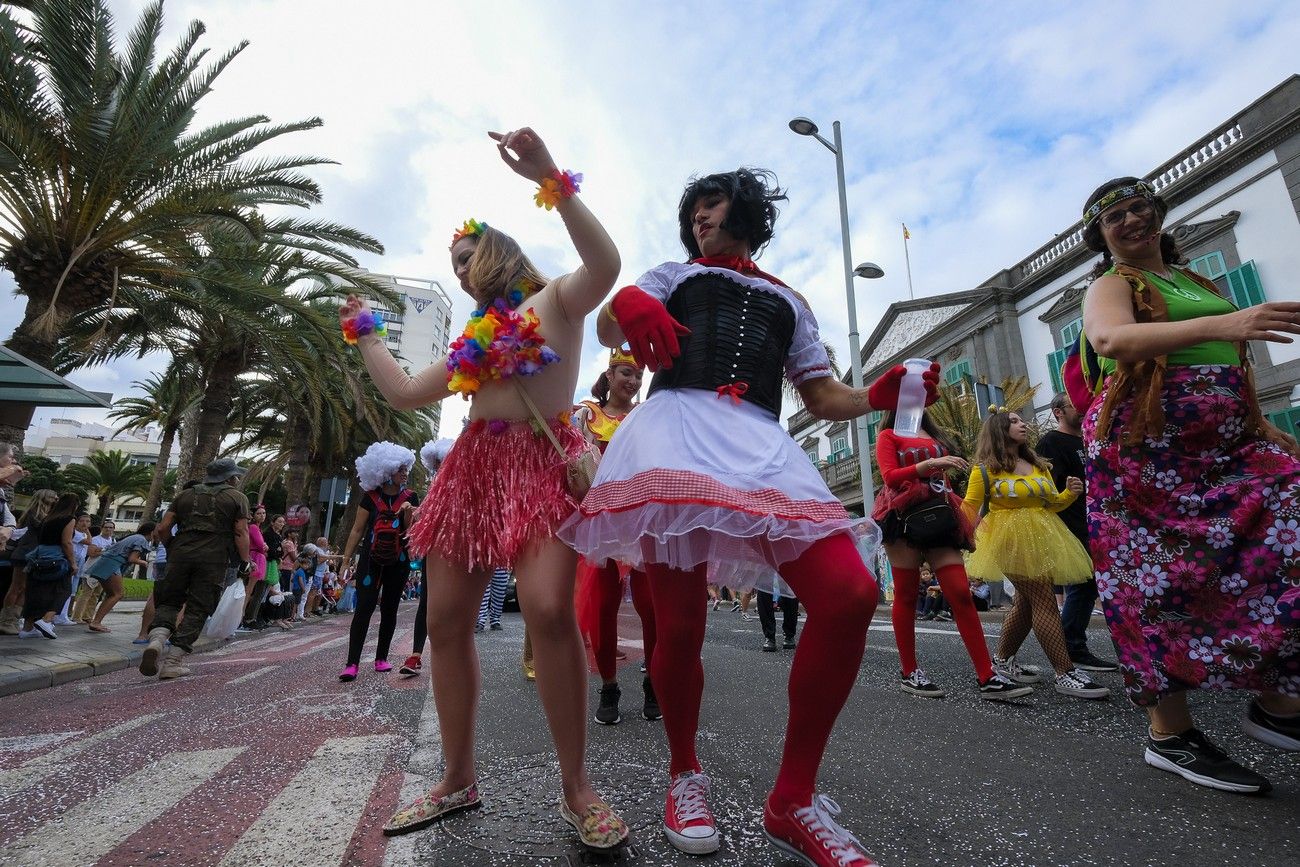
692 478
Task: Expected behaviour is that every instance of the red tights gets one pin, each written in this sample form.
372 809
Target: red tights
956 590
607 590
840 596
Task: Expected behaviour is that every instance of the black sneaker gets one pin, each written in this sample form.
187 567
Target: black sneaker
1282 732
496 626
769 645
1194 758
917 683
789 643
650 708
998 688
1088 662
607 714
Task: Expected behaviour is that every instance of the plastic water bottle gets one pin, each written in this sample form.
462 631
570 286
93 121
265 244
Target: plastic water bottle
911 398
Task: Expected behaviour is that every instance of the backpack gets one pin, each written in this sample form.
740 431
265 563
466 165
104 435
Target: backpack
386 529
1081 374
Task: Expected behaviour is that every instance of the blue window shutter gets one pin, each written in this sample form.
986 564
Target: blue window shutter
1210 266
1244 285
1054 362
1071 331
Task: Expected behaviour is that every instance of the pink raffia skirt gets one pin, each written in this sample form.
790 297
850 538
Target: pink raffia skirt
501 489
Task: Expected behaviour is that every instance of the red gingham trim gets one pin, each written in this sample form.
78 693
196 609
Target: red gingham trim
680 487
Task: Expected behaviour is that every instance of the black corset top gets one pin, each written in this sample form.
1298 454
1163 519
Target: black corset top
740 337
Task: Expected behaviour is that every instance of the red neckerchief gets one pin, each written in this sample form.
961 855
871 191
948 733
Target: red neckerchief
739 264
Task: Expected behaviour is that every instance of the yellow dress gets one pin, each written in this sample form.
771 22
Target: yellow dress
1021 536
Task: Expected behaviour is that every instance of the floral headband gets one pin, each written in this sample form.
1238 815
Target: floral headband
1128 191
472 229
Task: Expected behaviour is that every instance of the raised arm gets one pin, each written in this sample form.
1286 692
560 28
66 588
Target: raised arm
399 388
1112 330
578 292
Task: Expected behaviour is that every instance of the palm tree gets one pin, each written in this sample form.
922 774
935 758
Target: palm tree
957 414
166 399
103 184
108 475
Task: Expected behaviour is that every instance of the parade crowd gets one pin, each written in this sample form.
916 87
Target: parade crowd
1162 494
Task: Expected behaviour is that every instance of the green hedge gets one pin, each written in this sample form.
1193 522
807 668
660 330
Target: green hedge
137 589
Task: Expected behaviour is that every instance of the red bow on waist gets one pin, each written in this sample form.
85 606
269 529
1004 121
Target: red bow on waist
734 391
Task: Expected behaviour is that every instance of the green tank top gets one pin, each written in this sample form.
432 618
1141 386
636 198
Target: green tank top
1188 300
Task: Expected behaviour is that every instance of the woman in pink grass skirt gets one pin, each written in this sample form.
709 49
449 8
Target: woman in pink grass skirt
501 491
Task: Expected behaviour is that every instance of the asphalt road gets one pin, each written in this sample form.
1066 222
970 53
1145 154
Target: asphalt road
264 758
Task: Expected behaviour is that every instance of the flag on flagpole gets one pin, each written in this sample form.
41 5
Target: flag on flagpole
907 236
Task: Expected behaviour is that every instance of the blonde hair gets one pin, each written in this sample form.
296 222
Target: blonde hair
997 451
39 506
498 264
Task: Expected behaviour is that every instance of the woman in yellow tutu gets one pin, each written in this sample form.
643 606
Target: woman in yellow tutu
1022 539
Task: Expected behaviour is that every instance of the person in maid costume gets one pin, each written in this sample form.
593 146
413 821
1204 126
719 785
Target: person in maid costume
703 484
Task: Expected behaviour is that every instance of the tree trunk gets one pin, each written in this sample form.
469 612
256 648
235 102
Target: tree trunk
189 433
103 507
343 525
214 413
154 497
314 479
27 344
299 443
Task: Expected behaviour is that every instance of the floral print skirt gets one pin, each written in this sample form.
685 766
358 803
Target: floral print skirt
1195 540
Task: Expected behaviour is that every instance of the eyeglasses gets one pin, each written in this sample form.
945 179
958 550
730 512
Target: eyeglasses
1115 216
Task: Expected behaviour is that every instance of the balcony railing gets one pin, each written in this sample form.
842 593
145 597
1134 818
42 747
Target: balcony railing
841 474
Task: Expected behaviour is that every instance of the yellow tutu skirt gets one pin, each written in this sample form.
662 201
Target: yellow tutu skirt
1030 543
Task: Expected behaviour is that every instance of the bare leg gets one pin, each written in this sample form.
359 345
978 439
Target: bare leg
545 587
116 589
454 595
1170 716
147 617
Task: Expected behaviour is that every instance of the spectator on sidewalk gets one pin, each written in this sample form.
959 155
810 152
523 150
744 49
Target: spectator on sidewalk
213 518
49 582
113 564
80 547
24 537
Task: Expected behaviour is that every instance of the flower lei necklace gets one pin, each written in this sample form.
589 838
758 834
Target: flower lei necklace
498 342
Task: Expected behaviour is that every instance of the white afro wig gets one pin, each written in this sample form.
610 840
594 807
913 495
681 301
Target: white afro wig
434 453
379 463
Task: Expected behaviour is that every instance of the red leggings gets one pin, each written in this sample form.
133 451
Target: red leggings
840 596
607 593
956 590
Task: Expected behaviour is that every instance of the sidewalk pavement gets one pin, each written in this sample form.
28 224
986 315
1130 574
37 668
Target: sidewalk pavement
37 663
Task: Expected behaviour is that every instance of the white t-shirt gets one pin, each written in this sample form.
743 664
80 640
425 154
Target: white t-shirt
80 548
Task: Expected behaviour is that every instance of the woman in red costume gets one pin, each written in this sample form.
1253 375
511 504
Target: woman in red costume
501 491
600 588
703 484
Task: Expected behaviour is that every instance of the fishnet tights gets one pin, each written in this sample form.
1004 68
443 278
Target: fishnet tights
1035 604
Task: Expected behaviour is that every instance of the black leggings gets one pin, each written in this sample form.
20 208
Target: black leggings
421 631
380 585
767 616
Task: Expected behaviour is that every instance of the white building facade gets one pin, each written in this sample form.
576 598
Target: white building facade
1234 200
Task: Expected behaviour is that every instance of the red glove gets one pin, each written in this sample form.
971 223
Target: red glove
648 327
883 393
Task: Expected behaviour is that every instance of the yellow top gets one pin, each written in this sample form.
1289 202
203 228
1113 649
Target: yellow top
1012 491
601 424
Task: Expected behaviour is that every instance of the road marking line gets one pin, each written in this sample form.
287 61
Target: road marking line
926 630
95 827
252 674
31 743
332 791
333 642
423 763
37 769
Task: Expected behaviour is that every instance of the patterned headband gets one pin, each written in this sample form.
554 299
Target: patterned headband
1128 191
472 229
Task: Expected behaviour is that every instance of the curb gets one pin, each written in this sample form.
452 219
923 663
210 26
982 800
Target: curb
15 682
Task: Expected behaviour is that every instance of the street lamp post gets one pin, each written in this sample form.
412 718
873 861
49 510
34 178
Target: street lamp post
804 126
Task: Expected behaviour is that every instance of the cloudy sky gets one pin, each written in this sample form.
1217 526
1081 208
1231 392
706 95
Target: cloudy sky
982 126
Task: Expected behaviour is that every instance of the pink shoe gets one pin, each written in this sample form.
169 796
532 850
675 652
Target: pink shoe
382 665
349 673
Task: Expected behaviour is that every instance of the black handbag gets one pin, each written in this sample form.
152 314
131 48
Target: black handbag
929 524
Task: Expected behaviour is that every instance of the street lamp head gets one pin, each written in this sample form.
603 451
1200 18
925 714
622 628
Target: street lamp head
803 126
869 270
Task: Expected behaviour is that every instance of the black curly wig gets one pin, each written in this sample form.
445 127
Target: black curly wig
752 193
1169 251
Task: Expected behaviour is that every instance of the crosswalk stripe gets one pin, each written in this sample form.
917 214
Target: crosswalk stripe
30 743
421 768
333 642
332 790
95 827
252 674
37 769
